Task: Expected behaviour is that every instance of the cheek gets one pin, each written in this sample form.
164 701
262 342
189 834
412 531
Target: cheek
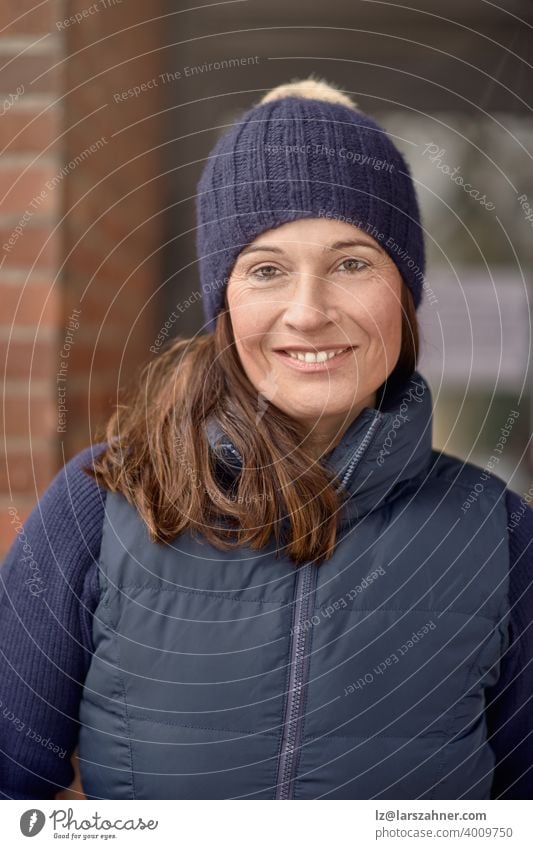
392 331
247 319
249 329
385 317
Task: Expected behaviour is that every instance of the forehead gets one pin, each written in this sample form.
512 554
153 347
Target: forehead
311 233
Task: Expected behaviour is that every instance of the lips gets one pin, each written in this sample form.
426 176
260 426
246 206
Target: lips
296 349
321 356
327 364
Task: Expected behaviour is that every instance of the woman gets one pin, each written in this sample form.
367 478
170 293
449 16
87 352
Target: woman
264 582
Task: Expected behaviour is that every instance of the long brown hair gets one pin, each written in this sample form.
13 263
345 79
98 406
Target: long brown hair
159 458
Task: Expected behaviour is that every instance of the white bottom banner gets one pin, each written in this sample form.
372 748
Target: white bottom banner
246 823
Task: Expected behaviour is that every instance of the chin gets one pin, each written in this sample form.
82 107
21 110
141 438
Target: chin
313 414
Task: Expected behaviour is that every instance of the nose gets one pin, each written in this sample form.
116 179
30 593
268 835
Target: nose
311 304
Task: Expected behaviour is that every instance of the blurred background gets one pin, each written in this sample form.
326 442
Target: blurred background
108 111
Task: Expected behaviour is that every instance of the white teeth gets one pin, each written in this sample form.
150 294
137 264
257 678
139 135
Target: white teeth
310 357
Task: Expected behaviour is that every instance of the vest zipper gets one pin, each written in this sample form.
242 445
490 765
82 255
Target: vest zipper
376 421
298 668
299 655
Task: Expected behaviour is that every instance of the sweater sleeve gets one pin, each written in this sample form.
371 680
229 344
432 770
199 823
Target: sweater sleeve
509 707
48 593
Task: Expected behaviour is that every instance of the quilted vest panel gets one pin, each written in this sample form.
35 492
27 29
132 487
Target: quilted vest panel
402 630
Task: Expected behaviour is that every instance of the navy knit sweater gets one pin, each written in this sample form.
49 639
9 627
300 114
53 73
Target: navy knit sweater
49 591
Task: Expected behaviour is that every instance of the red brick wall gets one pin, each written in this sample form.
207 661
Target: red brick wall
88 227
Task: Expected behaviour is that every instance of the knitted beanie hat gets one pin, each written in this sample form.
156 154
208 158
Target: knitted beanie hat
304 151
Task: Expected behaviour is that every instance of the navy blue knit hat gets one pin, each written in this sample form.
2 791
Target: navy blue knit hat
304 151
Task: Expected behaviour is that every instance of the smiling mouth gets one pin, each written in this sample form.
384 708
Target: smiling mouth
317 356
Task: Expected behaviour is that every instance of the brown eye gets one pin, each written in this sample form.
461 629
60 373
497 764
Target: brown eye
359 262
262 268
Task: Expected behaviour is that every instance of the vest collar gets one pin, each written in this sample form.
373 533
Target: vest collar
382 447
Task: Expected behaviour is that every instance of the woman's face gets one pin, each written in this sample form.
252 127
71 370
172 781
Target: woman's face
316 285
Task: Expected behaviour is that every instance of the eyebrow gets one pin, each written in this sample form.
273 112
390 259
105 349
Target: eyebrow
335 246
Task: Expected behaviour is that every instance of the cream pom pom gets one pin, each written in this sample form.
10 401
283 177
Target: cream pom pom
313 88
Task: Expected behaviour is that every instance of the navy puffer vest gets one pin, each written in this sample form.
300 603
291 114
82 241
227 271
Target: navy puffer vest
221 675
